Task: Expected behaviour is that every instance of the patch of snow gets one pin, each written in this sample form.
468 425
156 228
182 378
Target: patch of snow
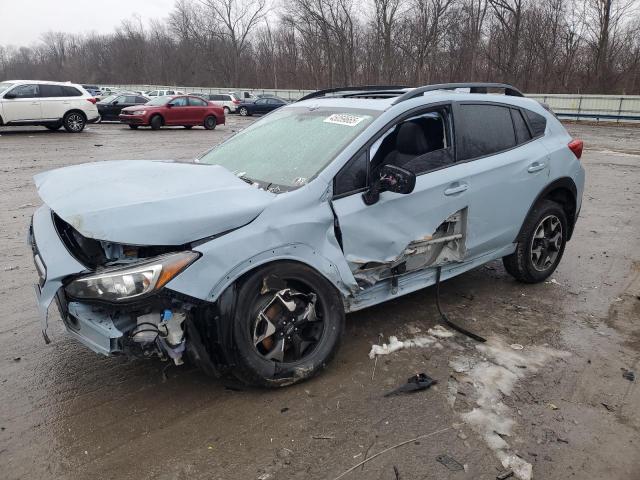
440 332
394 345
494 376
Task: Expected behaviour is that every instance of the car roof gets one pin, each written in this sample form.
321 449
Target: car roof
40 82
383 99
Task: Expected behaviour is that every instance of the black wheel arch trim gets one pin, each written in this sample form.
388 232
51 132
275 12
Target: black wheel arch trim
560 184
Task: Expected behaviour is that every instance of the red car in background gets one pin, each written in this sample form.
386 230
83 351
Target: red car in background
177 110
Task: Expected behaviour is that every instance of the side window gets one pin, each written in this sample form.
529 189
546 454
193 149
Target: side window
49 91
420 144
537 123
70 91
353 176
179 102
119 100
25 91
170 92
520 126
196 102
483 130
129 99
141 100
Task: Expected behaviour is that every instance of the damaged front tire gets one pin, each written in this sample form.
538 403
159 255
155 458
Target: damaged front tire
288 325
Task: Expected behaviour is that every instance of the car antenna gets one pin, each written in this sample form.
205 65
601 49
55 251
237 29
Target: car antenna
444 317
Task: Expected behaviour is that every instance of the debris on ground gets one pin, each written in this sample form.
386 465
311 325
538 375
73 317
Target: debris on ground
11 267
450 462
628 375
504 475
516 346
420 381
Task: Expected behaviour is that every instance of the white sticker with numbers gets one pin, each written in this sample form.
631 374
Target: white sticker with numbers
344 119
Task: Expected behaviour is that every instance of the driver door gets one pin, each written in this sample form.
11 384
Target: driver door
404 232
178 112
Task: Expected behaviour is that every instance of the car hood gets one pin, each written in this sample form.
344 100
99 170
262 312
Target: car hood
145 202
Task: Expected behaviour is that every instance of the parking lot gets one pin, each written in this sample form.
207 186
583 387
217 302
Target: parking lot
66 412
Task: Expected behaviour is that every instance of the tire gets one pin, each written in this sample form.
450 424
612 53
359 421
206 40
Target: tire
227 111
74 122
244 112
210 122
133 127
301 359
536 256
156 122
54 127
188 127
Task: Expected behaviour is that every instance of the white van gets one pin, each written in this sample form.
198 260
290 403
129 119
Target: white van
162 93
50 104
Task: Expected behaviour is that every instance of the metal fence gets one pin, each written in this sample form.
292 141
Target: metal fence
570 106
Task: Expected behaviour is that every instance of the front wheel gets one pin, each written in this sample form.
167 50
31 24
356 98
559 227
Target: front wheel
210 122
540 245
288 325
244 111
156 122
74 122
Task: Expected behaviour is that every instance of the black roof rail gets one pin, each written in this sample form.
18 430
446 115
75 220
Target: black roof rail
474 87
364 88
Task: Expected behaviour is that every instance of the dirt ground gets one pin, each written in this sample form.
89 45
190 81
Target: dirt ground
67 413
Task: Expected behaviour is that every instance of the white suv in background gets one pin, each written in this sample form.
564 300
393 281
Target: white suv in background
50 104
162 93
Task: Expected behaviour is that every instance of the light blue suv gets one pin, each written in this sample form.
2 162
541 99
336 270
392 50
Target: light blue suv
247 260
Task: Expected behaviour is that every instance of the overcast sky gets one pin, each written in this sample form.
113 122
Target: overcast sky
24 21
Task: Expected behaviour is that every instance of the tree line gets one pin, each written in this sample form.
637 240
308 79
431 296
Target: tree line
550 46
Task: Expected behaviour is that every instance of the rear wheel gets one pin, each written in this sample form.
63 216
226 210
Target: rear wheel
227 111
540 245
210 122
288 325
74 122
156 122
244 111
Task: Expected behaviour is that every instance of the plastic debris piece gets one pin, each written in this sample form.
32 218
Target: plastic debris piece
516 346
450 462
628 375
504 475
420 381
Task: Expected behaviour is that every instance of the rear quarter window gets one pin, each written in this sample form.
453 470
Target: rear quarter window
537 122
483 129
71 91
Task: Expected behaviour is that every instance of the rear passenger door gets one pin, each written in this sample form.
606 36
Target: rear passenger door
507 168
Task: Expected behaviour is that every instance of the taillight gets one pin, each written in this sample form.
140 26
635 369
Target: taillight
236 102
576 147
92 100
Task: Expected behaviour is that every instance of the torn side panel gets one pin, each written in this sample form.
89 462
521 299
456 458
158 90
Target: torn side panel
445 245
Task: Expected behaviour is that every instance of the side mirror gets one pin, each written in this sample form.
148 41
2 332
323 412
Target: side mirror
392 179
170 105
115 102
10 96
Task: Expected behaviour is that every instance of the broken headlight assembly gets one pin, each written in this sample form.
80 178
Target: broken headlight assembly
125 283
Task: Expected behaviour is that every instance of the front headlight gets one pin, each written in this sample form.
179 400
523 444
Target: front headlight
118 284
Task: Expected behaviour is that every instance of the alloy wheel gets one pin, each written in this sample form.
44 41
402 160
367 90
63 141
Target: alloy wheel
546 243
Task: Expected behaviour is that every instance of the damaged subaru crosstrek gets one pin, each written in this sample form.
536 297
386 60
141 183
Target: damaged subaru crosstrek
246 260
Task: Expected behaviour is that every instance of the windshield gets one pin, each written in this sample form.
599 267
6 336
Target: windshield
5 85
159 101
290 146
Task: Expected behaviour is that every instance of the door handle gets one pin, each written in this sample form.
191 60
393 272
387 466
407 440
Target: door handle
536 167
456 188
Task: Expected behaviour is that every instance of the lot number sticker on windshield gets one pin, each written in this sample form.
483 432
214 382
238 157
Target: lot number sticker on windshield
344 119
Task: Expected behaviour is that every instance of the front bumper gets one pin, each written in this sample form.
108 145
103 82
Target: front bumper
91 326
133 119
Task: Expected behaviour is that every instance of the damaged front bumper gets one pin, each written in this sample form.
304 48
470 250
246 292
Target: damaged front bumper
151 325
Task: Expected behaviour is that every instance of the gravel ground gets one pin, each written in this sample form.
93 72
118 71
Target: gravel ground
68 413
